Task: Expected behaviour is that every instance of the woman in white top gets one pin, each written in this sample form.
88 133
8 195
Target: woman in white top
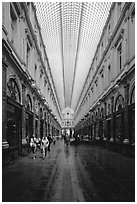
44 146
33 146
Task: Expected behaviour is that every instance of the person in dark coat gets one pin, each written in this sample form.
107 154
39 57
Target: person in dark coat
50 141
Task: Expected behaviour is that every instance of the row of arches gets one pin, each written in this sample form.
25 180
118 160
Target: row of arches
14 91
26 115
112 121
118 105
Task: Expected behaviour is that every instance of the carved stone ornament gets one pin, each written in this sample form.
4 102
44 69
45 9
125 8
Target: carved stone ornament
13 89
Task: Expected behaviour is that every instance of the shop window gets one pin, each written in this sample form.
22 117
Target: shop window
36 127
108 129
119 128
13 125
29 126
13 90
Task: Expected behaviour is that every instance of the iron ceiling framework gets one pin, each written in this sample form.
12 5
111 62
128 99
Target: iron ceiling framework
71 32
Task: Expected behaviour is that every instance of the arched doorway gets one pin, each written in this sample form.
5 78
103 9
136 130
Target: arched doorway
119 119
14 113
29 117
132 117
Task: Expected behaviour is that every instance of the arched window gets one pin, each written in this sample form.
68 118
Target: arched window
13 89
28 103
119 103
132 99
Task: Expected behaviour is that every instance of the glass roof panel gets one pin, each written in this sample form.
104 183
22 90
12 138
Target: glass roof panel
71 32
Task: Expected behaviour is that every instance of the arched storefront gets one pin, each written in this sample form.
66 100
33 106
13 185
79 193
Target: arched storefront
14 119
29 117
132 117
41 123
119 119
108 121
101 124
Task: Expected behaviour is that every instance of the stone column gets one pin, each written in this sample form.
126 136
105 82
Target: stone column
43 122
38 131
44 129
112 120
126 115
48 126
34 111
4 105
23 114
105 125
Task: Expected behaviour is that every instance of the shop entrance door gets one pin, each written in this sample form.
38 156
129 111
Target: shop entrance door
29 125
41 129
108 129
119 128
14 129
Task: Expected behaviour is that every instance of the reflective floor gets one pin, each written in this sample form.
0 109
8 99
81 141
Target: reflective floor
82 173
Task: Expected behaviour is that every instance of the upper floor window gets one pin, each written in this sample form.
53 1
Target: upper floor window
28 55
102 47
41 72
109 73
109 31
119 55
13 23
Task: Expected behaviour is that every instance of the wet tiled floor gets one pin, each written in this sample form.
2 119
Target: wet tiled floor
82 173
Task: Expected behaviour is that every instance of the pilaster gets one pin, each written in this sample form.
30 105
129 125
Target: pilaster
112 120
126 114
4 105
23 113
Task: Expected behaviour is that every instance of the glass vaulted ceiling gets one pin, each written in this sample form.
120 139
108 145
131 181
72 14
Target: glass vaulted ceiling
71 32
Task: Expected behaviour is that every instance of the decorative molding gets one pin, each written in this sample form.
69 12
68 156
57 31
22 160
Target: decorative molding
5 30
4 63
119 37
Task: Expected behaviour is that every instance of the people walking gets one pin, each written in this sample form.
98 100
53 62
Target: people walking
54 140
44 146
33 146
50 141
67 140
